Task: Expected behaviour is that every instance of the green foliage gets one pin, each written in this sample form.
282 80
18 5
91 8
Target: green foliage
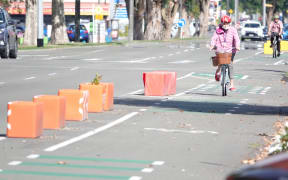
192 6
97 79
5 3
251 6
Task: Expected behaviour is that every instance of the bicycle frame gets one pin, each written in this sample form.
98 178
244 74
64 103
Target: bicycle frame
224 78
274 46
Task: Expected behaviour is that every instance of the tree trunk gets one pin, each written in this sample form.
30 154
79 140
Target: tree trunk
58 34
186 28
154 28
30 36
270 12
139 12
204 8
159 20
77 20
168 16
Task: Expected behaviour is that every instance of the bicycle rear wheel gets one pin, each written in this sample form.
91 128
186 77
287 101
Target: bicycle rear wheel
223 80
274 51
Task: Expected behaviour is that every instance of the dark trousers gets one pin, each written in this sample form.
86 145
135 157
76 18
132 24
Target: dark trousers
278 41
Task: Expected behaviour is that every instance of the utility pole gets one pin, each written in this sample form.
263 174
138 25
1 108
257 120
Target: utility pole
131 20
228 6
40 24
180 17
77 20
236 11
264 13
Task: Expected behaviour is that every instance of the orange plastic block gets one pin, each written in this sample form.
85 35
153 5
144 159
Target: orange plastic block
95 102
108 96
76 104
53 110
159 83
24 119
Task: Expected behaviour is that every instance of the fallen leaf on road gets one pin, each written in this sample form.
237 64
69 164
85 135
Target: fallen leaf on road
61 162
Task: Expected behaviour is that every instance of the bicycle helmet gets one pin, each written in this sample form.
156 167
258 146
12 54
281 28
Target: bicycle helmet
276 17
225 19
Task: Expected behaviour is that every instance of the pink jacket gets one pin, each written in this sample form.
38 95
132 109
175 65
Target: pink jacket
225 41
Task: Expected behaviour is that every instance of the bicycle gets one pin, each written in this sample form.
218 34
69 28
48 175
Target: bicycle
274 45
223 59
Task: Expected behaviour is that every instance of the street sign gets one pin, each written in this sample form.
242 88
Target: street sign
268 5
181 22
230 11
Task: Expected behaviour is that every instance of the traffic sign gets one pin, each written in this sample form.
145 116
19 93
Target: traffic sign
230 11
181 22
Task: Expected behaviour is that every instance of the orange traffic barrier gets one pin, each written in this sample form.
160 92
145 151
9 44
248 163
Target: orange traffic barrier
108 96
76 104
95 103
24 119
53 110
159 83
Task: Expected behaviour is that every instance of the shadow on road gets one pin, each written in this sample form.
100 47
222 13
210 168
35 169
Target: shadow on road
206 107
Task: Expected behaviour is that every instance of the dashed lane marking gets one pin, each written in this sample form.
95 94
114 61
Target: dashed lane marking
278 62
72 175
182 62
52 74
265 90
2 138
245 77
74 68
29 78
180 131
91 133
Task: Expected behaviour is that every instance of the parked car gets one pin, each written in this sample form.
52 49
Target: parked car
84 35
8 36
285 32
252 30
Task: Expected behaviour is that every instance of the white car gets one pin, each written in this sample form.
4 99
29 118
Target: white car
252 30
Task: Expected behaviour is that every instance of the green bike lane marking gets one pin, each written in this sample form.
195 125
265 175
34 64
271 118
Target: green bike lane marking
236 76
96 159
80 166
59 174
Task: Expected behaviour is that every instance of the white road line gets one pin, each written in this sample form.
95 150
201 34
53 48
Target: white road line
278 62
147 170
74 68
228 114
236 107
186 50
52 74
33 156
181 62
265 90
240 59
2 138
95 59
1 83
91 133
158 163
135 178
136 92
142 110
259 53
29 78
255 90
185 76
170 54
245 77
14 163
180 131
31 55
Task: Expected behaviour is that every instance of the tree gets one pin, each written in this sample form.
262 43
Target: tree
203 17
5 3
58 34
30 36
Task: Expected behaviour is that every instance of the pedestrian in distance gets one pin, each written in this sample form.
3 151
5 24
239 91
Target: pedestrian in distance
275 31
226 40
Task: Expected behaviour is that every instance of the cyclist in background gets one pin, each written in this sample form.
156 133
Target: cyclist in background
275 30
226 40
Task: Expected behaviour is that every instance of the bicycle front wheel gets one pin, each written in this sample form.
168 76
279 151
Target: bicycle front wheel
223 80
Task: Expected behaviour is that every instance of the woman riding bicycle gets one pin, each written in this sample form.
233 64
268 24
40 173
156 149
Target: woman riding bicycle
275 30
226 40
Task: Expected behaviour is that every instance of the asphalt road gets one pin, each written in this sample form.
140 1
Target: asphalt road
194 135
